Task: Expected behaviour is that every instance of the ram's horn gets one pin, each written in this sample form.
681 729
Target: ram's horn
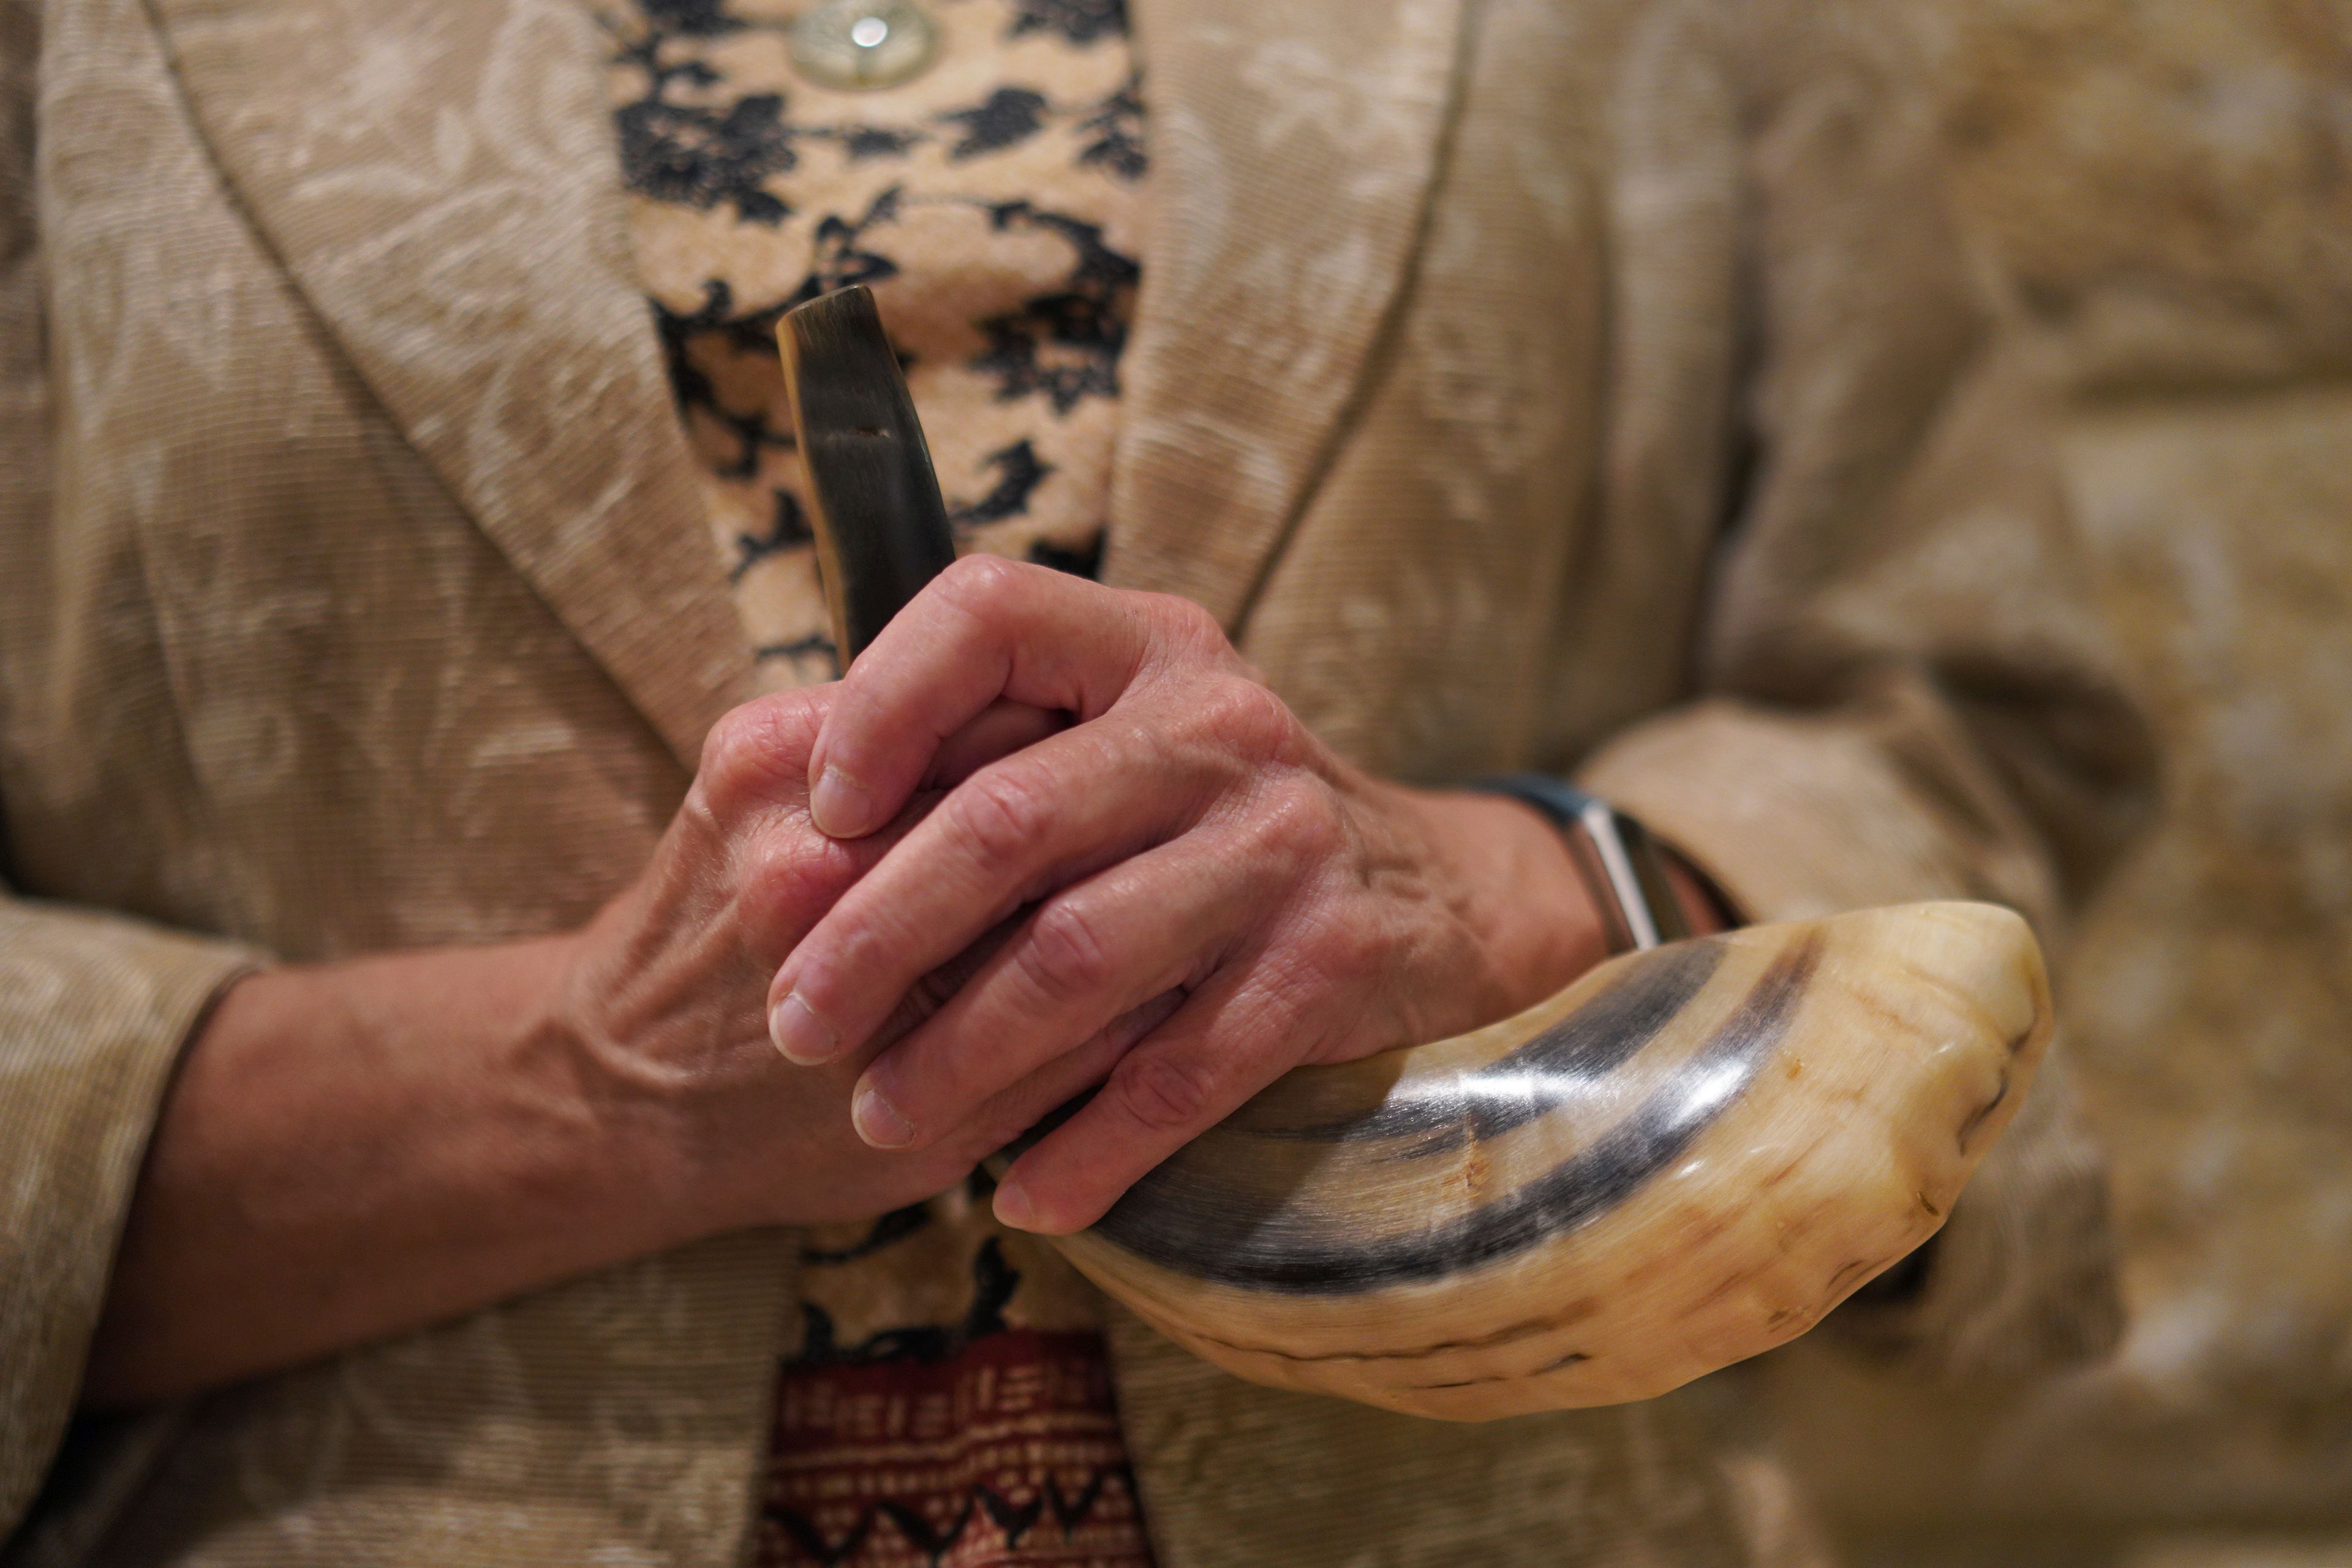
881 525
1683 1160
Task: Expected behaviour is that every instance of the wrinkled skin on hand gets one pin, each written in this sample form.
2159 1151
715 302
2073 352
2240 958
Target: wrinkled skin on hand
1183 894
666 997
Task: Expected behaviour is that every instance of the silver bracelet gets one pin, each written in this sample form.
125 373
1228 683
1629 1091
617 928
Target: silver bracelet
1619 860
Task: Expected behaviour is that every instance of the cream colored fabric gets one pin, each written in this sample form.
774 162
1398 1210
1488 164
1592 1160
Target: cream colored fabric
92 1011
357 617
1242 1475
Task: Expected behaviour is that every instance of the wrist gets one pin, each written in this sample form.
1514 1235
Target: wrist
610 1142
663 1086
1644 890
1529 909
353 1149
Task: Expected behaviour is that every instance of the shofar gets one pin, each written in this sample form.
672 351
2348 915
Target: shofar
1683 1160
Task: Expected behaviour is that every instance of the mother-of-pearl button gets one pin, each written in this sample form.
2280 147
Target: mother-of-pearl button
854 44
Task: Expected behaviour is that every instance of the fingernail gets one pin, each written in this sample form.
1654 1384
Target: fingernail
1013 1206
839 804
800 1034
879 1121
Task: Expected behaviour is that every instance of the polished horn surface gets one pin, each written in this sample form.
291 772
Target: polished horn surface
1683 1160
881 526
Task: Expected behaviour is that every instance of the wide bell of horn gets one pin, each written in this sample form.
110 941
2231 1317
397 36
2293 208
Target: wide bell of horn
1683 1160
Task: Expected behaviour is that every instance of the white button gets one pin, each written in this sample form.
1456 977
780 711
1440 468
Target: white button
853 44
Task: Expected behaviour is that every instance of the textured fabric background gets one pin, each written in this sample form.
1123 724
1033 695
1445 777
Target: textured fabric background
2163 189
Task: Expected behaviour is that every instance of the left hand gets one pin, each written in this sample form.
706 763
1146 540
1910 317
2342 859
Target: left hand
1209 891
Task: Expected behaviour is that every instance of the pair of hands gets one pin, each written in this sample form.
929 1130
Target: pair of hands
1044 837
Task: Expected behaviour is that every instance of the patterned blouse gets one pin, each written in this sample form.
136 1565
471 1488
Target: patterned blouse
947 1404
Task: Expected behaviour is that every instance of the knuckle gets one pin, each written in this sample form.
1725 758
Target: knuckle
789 879
1186 621
731 754
1001 812
758 752
978 581
1337 956
1298 822
1065 956
1162 1091
1248 717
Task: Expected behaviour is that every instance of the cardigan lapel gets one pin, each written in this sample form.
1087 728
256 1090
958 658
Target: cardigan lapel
440 177
1294 150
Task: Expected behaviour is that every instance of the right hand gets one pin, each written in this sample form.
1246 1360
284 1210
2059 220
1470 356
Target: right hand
357 1148
665 994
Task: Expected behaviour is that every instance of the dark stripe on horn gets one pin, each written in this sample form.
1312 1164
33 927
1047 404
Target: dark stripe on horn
1562 1063
1213 1233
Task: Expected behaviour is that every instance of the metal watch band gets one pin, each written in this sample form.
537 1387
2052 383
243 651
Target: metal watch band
1620 861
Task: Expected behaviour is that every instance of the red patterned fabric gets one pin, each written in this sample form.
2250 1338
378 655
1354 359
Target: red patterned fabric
1005 1453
